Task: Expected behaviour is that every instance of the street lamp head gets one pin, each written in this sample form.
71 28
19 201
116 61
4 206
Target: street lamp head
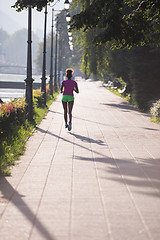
66 4
70 43
68 17
69 34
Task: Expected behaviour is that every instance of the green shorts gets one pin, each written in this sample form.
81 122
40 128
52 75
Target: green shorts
67 98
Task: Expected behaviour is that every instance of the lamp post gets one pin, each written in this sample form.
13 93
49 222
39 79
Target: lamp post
59 58
55 72
66 5
68 17
29 80
70 38
69 34
51 62
43 85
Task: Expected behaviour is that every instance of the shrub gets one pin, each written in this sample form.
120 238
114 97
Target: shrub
15 128
11 114
155 109
140 67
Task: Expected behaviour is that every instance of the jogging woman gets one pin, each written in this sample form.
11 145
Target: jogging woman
67 88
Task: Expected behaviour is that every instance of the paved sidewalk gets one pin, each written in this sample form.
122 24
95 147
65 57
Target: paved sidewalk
101 181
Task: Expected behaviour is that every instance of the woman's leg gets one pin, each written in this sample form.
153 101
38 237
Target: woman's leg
70 106
65 111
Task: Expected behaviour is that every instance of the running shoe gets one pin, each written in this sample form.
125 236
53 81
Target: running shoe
69 126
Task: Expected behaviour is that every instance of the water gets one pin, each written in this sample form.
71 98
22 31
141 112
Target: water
7 93
17 78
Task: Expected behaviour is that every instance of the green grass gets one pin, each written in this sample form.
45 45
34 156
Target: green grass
155 120
127 98
13 144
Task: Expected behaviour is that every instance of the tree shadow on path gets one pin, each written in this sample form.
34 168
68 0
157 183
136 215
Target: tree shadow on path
142 174
76 144
9 194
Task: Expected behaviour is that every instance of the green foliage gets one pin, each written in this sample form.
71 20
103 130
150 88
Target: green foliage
126 98
12 122
78 41
119 63
13 145
15 129
139 68
120 24
155 110
126 23
39 4
39 58
89 58
103 61
64 55
144 76
86 52
64 50
11 114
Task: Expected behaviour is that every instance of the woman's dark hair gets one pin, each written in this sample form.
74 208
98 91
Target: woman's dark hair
69 73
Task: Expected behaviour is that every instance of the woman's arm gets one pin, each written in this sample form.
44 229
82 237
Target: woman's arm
76 89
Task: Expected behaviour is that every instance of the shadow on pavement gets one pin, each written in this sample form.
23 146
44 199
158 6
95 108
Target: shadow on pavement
76 144
143 174
86 139
83 119
103 124
126 107
10 194
123 105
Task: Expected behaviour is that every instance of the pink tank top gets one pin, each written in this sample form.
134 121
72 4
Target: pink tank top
69 87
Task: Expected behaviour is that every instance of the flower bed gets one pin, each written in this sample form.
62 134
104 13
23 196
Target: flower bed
11 113
15 128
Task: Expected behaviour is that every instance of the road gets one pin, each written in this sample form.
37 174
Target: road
6 93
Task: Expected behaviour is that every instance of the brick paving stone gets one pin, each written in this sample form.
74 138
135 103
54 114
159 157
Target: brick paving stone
99 181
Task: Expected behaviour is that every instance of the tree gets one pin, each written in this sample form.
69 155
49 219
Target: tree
138 67
39 4
15 47
91 59
125 22
64 52
3 36
3 39
144 74
39 57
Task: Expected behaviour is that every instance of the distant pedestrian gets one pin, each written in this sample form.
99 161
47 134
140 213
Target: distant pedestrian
67 88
